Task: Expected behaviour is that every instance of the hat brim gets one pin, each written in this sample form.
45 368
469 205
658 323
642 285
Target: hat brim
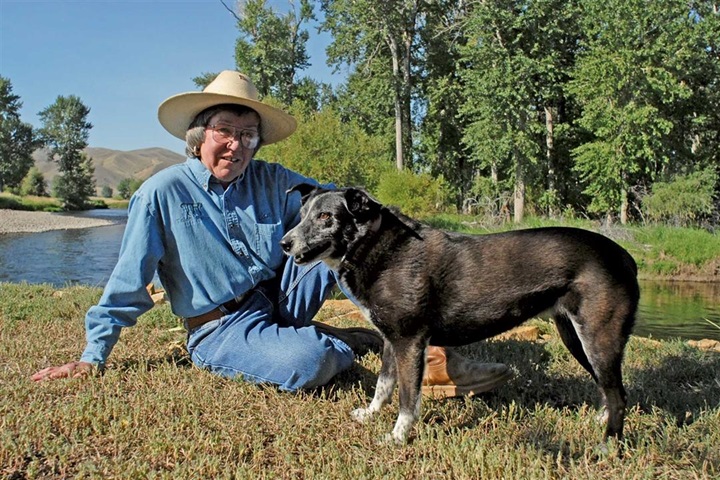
176 113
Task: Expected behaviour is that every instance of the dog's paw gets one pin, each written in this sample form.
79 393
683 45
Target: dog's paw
362 414
603 416
392 439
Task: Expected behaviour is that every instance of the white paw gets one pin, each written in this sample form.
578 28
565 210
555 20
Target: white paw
603 415
362 414
393 439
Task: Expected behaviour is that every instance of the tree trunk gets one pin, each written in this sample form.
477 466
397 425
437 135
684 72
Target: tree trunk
519 193
406 90
397 91
550 157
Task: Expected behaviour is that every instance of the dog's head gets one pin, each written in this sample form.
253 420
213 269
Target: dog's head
330 221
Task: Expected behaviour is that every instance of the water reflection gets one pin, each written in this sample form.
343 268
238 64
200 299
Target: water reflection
87 256
679 309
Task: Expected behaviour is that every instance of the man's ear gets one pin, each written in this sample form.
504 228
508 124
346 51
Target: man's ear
360 204
305 189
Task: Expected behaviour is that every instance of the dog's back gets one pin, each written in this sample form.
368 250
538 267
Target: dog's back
486 284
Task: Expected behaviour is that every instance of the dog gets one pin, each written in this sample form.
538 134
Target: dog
419 285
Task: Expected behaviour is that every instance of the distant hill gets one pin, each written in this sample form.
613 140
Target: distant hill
112 166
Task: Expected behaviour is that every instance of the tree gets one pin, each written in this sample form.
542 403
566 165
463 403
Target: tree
272 49
127 187
17 139
440 96
366 30
630 80
694 143
500 83
684 200
65 131
34 184
123 188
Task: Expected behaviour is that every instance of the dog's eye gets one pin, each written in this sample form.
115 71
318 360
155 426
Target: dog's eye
324 216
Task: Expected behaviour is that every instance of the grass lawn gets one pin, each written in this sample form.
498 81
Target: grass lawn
52 204
153 415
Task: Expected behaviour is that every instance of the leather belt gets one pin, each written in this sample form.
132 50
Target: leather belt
216 313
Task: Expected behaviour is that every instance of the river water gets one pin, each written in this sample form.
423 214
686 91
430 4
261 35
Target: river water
87 256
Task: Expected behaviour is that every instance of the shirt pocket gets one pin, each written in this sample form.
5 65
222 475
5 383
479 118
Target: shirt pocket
267 242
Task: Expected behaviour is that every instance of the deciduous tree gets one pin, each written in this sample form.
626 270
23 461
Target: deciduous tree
17 139
365 31
501 91
66 131
629 79
272 49
331 151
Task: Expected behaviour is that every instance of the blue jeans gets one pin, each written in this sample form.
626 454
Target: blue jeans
270 339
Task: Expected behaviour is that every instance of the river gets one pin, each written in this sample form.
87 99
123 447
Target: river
87 256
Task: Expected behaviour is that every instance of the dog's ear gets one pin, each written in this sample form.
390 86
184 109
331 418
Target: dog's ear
360 204
305 189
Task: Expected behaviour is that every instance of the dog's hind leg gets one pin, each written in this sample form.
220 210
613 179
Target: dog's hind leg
384 387
410 357
596 336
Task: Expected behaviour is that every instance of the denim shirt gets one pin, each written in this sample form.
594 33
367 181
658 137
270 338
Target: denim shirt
208 245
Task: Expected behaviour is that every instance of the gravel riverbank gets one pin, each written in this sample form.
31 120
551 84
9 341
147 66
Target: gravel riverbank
19 221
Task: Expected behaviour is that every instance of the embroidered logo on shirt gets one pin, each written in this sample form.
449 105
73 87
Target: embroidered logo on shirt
191 210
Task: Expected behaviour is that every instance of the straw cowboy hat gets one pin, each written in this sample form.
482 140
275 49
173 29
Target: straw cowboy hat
176 113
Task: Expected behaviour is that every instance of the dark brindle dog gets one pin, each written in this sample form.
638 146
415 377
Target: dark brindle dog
420 285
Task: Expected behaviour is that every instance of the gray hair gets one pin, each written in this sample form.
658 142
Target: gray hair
195 135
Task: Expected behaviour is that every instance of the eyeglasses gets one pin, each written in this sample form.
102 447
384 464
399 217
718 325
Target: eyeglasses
227 133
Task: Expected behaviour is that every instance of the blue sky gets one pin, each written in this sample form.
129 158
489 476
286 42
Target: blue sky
122 58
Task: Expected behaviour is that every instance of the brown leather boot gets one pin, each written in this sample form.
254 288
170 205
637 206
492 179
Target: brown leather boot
360 340
448 374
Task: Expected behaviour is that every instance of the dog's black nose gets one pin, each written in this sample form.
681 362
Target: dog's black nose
286 245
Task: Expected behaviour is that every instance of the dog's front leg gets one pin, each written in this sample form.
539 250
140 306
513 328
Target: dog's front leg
410 357
383 388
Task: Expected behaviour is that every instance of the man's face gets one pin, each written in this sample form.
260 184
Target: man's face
228 145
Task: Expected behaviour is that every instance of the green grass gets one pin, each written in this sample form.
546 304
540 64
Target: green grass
682 245
40 204
51 204
153 415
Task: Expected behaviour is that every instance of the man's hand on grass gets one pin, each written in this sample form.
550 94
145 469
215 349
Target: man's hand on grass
69 370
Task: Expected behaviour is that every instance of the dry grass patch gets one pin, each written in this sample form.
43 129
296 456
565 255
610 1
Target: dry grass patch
153 415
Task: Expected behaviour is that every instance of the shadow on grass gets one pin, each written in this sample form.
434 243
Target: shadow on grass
682 387
177 356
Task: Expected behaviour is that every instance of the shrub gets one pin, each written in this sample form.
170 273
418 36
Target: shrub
127 187
416 195
34 184
684 200
332 151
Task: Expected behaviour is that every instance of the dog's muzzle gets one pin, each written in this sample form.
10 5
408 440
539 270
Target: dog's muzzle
304 256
